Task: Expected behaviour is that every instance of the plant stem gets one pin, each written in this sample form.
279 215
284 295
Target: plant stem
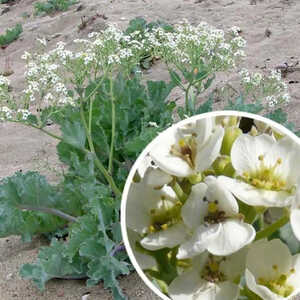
261 221
98 163
41 129
50 133
51 211
187 97
90 116
113 128
178 191
272 228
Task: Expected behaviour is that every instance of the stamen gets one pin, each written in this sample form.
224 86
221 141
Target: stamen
261 157
186 148
266 177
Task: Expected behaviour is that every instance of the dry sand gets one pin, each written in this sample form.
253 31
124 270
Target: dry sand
25 149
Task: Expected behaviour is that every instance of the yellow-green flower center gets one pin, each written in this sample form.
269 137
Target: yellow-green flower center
279 285
266 177
165 216
211 271
186 148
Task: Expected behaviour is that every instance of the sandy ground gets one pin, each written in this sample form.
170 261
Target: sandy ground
25 149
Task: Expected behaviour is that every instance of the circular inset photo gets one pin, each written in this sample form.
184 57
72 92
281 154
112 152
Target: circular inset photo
211 210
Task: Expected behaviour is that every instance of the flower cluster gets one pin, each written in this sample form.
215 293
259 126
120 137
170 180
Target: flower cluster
4 88
195 191
270 89
44 76
197 46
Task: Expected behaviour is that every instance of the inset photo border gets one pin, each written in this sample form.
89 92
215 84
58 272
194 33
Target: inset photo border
211 204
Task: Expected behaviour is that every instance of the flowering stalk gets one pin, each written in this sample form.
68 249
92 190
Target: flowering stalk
113 127
98 163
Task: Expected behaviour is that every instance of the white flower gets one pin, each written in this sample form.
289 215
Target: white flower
4 81
152 175
210 278
295 214
144 261
23 113
272 272
26 55
156 214
42 41
212 214
267 170
188 150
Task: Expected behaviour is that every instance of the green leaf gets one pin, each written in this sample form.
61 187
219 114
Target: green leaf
19 196
208 82
240 105
52 263
205 107
138 143
86 228
137 24
175 78
74 134
107 269
11 35
278 116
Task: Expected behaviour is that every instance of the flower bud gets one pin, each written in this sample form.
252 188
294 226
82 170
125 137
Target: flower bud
222 166
194 179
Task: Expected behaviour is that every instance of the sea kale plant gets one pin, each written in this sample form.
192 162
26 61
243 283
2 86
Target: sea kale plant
52 6
11 35
107 113
196 207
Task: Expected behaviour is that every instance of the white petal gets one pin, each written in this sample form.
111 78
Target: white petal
145 261
139 203
218 191
294 279
208 153
155 177
168 238
264 254
169 163
198 242
189 286
204 129
253 196
227 291
234 265
246 149
233 235
288 151
295 222
185 286
194 209
144 165
260 290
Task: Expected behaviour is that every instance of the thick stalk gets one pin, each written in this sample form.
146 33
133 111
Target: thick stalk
272 228
98 163
51 211
113 128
